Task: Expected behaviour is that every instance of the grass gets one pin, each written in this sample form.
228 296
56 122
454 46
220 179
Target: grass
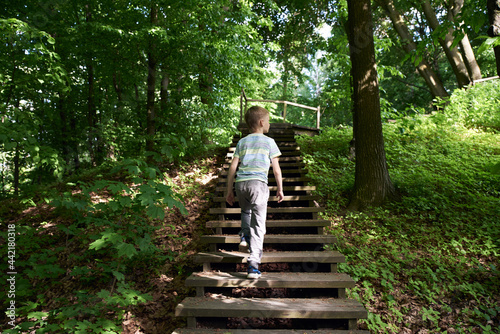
431 261
426 264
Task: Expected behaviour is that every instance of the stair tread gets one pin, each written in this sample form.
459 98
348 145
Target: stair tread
271 257
224 173
283 154
272 238
285 188
272 198
272 223
272 179
298 308
271 280
266 331
269 210
285 148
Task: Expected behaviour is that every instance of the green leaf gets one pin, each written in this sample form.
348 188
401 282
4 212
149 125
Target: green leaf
490 42
156 212
37 315
125 249
119 276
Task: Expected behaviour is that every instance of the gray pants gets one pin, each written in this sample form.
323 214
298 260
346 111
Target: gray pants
253 196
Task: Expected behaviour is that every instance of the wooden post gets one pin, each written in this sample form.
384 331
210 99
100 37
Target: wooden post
241 106
284 112
318 116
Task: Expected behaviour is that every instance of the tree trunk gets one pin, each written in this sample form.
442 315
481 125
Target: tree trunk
64 129
94 138
494 29
372 184
454 57
165 81
455 7
17 169
432 80
151 82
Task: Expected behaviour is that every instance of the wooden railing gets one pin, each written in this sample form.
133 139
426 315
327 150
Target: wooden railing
243 107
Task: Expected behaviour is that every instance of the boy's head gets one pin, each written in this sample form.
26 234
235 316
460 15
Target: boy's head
254 116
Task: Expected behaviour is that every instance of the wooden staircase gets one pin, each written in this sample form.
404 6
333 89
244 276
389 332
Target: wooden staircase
300 290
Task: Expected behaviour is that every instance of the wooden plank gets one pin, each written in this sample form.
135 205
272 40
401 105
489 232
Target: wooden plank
274 199
272 223
283 164
285 188
272 179
284 172
283 154
271 257
325 308
265 331
273 239
287 148
269 210
287 102
271 280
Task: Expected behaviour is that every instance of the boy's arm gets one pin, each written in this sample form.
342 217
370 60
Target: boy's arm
279 180
230 181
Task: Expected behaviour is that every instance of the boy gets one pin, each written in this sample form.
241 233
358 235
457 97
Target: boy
256 152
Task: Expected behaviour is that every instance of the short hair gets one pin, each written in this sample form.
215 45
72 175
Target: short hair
254 115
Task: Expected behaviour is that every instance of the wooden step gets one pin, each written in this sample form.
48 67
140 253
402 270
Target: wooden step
283 164
285 188
281 159
271 257
265 331
272 223
280 144
273 180
271 280
273 198
220 211
284 171
273 239
296 308
283 154
285 148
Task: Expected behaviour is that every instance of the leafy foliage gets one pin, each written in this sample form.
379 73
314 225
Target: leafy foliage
429 260
111 235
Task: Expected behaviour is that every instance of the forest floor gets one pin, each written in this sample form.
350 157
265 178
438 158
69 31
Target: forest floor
179 235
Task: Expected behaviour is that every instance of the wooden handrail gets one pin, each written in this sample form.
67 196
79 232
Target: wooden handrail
243 96
484 79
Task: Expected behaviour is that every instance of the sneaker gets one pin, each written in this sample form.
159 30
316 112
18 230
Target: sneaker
253 273
244 247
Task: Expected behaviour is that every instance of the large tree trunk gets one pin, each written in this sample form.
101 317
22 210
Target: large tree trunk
151 82
454 57
372 184
432 80
494 30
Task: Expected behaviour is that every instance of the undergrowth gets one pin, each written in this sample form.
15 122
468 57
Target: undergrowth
93 254
430 261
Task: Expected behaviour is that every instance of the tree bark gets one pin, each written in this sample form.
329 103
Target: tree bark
94 139
454 57
468 54
494 29
432 80
372 184
151 82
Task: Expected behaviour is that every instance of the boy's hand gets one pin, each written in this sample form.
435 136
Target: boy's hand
280 196
230 198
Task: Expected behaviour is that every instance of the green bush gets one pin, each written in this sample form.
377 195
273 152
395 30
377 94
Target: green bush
430 260
106 236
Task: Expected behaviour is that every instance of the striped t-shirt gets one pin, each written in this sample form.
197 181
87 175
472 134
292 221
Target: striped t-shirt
255 152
